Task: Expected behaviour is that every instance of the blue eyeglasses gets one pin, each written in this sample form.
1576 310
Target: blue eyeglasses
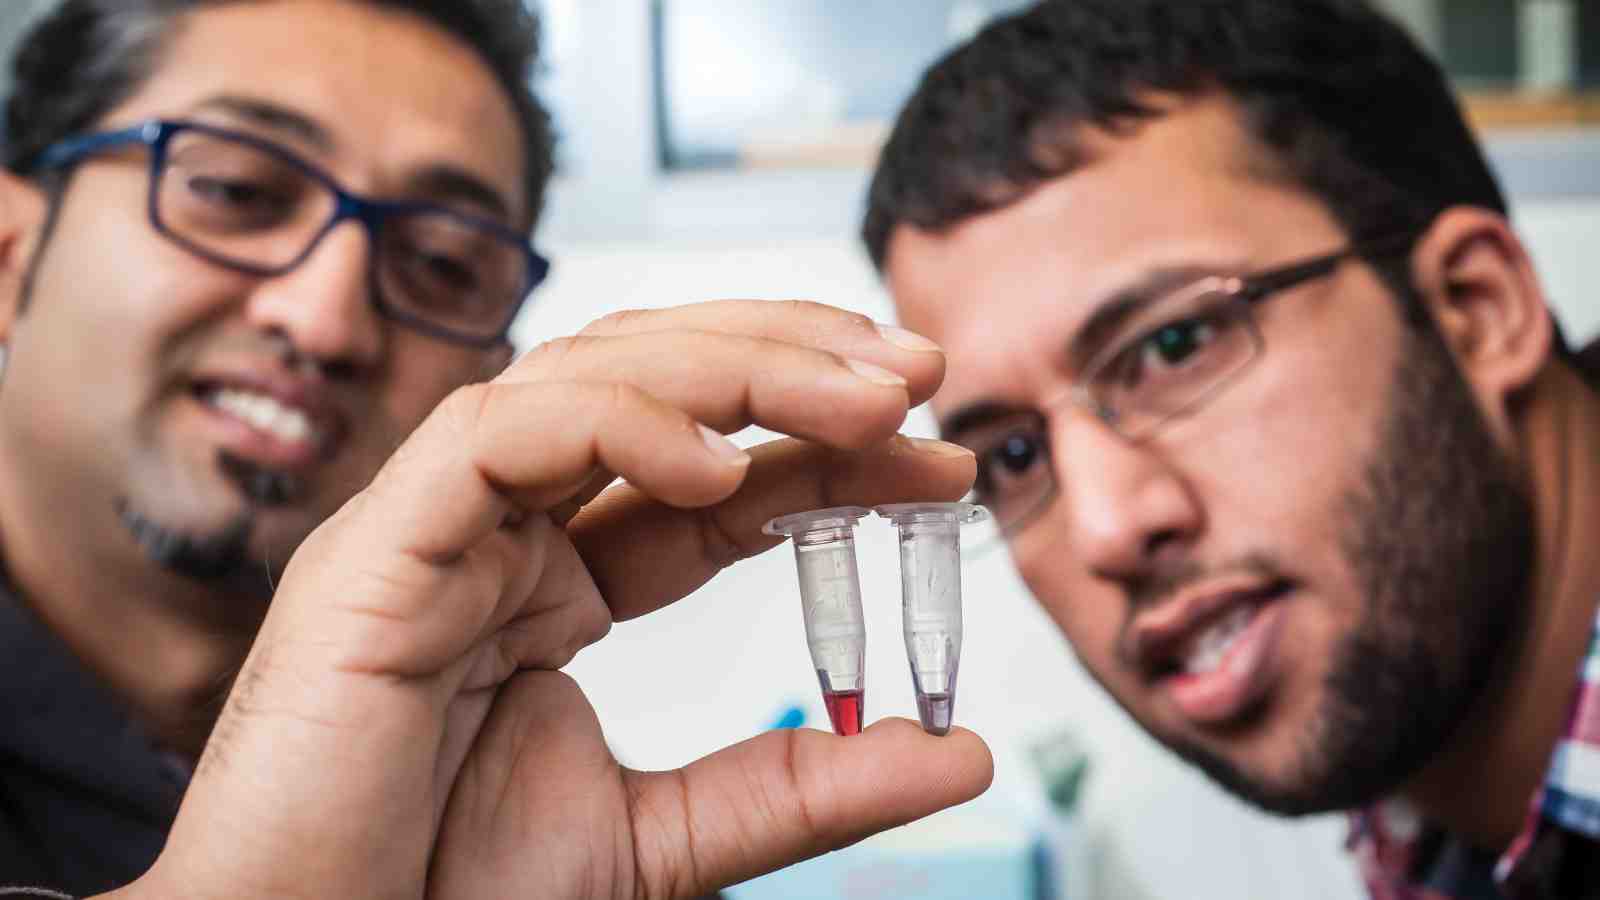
252 206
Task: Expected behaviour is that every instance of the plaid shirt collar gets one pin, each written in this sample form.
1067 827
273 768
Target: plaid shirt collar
1403 858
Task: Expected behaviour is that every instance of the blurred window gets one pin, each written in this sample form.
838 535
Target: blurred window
1518 63
774 83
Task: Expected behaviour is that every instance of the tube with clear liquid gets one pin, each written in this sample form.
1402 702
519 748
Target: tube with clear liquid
930 592
830 598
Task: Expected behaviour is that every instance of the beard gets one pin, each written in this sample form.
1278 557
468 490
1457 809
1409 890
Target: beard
217 556
221 557
1439 535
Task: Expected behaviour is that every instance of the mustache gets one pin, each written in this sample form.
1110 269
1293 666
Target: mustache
273 345
1163 582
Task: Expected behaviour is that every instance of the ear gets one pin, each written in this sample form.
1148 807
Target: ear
22 219
1479 284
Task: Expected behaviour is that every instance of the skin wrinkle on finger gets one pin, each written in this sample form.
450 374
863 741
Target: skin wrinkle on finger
802 322
580 426
644 807
766 800
728 381
759 318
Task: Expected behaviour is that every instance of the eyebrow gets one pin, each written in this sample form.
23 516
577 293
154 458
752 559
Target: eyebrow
269 115
1109 315
442 180
449 182
975 415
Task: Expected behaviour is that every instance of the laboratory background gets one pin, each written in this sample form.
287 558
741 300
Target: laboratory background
714 149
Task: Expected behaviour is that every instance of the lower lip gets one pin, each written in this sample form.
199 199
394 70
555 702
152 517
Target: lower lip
256 446
1243 677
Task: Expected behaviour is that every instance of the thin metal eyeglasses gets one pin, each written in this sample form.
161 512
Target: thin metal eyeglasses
1176 354
253 206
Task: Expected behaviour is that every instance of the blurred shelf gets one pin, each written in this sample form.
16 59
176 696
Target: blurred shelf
1492 111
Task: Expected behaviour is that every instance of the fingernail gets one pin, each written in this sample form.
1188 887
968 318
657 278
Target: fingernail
938 448
908 340
721 447
875 374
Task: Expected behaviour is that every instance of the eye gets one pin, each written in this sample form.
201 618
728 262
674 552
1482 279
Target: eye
1172 345
239 195
442 269
1011 468
1170 351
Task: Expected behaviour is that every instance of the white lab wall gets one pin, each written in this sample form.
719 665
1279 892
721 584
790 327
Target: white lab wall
717 668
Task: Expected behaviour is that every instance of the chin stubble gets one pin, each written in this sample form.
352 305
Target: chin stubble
212 557
224 554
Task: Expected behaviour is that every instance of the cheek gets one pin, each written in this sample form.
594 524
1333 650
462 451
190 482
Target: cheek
1277 459
1088 614
422 372
132 300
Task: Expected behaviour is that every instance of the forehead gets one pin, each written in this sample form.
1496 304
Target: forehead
1005 291
393 91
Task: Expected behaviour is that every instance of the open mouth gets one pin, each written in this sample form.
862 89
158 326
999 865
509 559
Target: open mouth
281 427
262 412
1205 646
1213 655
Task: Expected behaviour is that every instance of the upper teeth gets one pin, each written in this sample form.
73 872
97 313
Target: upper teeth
1207 650
264 414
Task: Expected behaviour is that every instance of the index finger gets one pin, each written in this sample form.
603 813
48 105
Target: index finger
850 335
644 554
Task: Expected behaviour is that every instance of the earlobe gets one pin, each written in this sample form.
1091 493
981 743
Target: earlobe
23 211
1478 282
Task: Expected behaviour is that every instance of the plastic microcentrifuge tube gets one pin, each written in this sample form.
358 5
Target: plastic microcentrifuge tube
930 600
830 597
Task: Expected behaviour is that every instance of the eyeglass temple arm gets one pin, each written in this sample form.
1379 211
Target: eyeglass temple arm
1271 282
73 149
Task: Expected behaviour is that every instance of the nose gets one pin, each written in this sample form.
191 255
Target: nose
323 306
1127 507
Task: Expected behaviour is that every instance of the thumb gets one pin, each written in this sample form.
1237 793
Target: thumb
793 794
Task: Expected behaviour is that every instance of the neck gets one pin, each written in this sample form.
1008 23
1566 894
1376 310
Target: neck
164 644
1504 749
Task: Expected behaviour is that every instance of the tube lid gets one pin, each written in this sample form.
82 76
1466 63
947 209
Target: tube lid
800 523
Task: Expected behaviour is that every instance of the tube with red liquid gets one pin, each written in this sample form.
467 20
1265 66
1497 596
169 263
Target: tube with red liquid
830 598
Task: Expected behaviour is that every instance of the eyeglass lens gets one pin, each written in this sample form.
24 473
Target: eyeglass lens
247 206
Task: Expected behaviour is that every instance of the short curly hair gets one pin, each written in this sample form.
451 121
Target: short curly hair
1343 101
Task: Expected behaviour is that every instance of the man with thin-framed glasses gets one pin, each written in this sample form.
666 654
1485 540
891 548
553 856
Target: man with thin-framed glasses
292 550
1272 415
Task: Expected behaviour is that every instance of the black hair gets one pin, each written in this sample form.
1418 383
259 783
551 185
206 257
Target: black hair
1343 102
86 57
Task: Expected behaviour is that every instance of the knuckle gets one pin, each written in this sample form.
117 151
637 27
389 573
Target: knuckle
830 319
613 322
467 406
854 321
592 628
552 356
618 398
794 784
718 546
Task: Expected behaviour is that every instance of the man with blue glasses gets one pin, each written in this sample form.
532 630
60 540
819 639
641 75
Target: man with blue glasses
1270 409
292 551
